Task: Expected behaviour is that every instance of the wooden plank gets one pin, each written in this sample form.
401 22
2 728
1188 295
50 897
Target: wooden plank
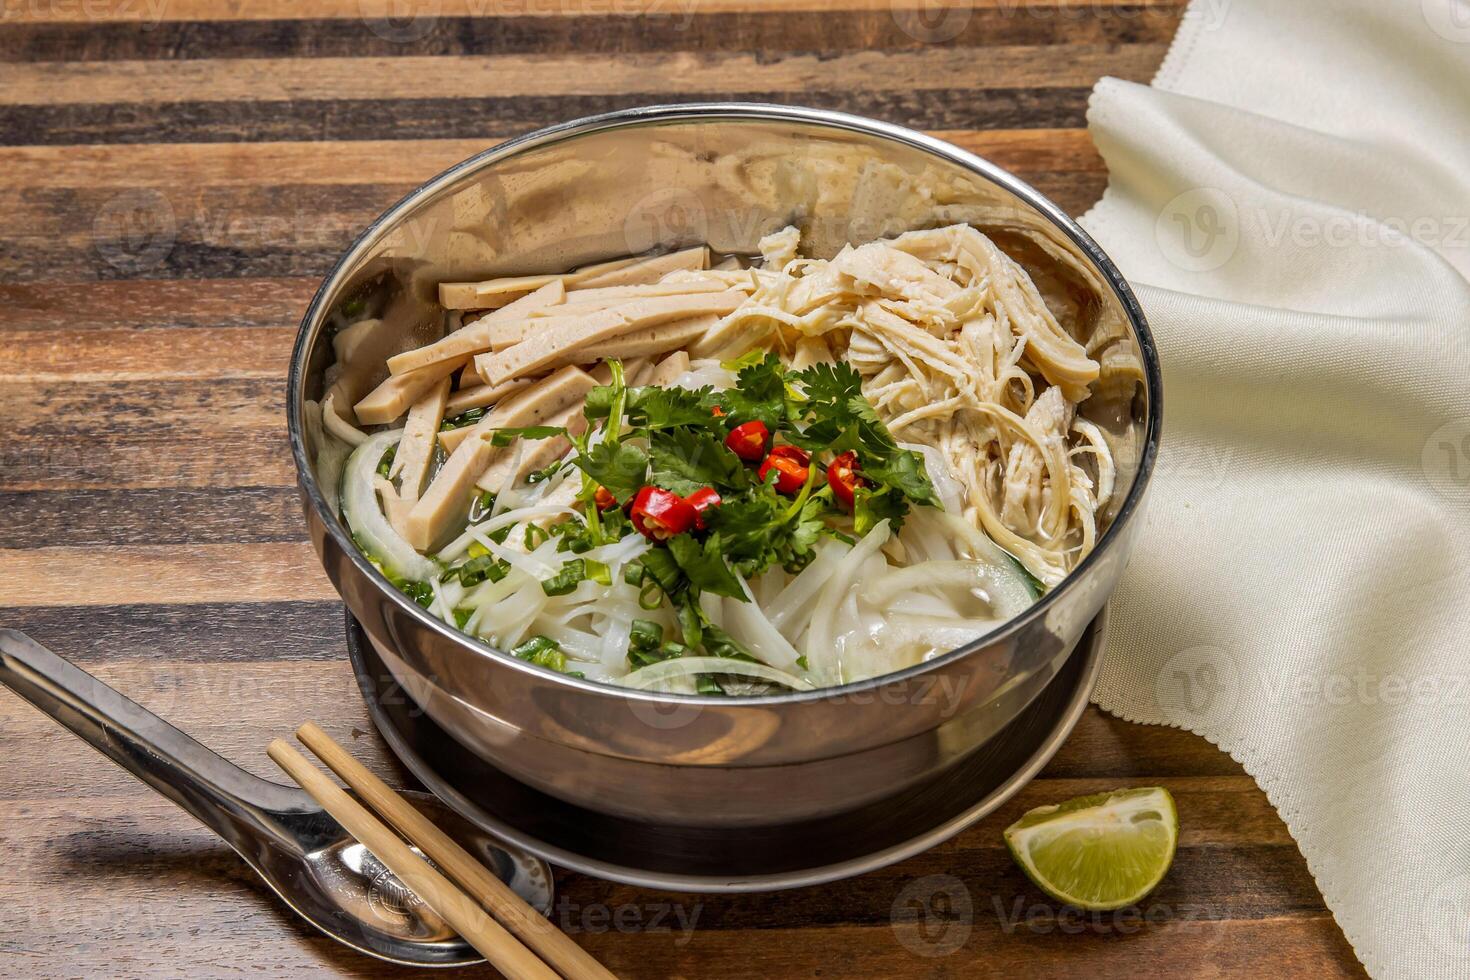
154 303
261 572
177 515
157 11
508 76
404 162
450 118
909 27
159 353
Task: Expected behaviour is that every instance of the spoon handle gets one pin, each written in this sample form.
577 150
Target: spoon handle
225 798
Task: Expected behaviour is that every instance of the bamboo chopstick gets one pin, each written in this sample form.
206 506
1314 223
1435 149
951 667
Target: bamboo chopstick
554 946
503 950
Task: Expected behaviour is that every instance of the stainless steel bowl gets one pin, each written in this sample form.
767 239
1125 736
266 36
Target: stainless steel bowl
725 174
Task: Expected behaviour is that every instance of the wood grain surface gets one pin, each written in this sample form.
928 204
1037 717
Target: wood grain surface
175 175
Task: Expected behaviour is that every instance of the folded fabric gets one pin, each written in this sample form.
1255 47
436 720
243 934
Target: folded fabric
1291 200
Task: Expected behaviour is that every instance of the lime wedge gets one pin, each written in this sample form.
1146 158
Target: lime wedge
1104 851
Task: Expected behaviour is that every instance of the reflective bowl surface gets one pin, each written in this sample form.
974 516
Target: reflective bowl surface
725 174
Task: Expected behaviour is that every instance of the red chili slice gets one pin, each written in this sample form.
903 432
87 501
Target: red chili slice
701 501
748 440
792 452
659 514
790 474
842 477
604 499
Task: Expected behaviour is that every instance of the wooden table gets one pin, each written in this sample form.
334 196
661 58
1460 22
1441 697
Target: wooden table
175 176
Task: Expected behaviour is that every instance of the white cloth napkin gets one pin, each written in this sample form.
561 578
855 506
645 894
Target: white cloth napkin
1291 199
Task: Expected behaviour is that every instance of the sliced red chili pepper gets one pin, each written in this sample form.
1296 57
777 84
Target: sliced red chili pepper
717 412
748 440
701 501
792 452
659 514
842 477
604 499
790 474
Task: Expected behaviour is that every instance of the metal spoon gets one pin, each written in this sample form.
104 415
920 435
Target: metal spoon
301 852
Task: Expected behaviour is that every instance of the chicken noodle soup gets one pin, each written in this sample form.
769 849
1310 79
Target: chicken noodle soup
746 476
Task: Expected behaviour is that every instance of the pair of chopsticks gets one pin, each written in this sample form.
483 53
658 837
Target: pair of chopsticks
512 936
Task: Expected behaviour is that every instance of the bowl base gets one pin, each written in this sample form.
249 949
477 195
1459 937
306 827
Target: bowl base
705 859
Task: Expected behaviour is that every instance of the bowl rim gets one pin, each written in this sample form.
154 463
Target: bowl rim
716 112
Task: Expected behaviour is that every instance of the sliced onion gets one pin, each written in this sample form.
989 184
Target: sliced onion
686 668
821 648
804 588
1003 586
365 516
748 624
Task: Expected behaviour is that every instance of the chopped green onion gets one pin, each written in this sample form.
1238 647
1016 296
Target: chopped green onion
706 684
462 616
542 651
535 535
598 572
566 581
645 634
541 476
633 573
650 596
386 463
420 592
478 569
462 420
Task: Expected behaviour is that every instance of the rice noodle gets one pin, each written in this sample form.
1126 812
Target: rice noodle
960 357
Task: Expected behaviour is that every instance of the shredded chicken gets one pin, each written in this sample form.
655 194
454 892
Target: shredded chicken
958 349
